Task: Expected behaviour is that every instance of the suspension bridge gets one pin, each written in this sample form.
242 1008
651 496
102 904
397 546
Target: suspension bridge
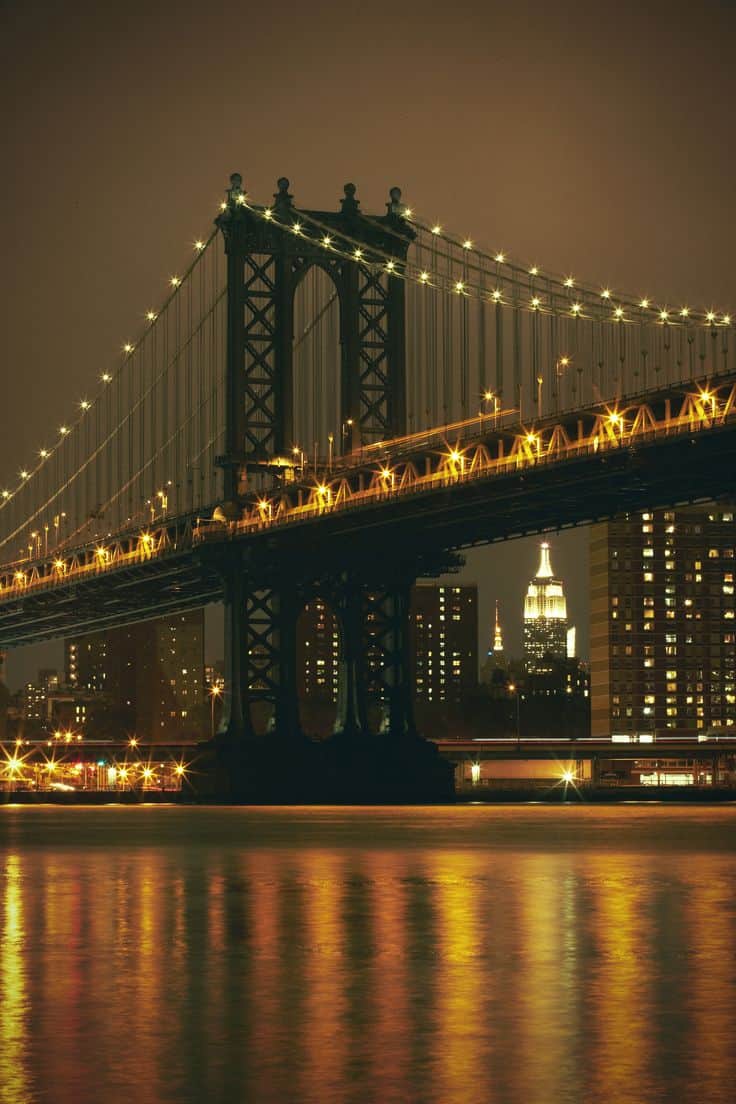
338 403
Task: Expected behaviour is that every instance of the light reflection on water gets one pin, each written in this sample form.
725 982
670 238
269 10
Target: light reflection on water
527 954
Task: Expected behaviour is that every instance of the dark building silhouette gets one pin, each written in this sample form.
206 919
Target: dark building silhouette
443 656
150 674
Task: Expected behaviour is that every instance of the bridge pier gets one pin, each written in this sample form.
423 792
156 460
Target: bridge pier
352 717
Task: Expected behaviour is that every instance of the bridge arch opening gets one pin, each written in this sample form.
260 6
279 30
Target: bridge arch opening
319 426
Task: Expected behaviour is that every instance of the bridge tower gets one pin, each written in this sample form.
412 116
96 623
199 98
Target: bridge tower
266 260
269 252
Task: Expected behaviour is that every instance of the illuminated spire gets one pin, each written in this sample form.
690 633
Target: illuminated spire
497 635
544 571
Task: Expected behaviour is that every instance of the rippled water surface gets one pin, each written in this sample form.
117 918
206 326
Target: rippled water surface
472 954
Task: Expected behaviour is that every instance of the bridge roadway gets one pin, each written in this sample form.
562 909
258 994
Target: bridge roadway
674 447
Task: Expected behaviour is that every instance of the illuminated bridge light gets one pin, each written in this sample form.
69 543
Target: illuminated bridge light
536 302
175 281
664 315
358 254
390 266
459 287
467 244
727 320
297 228
151 316
644 304
576 308
437 229
268 213
569 282
199 245
500 258
63 430
534 271
606 293
423 277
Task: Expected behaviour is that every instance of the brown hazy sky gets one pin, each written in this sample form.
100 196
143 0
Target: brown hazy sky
591 138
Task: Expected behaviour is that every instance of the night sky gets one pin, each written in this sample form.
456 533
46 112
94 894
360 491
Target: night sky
588 138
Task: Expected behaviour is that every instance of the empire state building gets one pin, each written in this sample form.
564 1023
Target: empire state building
545 618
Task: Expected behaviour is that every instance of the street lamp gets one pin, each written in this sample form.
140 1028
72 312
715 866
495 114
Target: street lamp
560 364
215 692
513 689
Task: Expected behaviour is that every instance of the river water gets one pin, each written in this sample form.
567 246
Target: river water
526 954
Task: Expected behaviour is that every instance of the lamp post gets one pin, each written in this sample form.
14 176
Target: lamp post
560 364
215 692
517 694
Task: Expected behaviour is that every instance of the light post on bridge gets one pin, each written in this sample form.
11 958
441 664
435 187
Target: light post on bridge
560 364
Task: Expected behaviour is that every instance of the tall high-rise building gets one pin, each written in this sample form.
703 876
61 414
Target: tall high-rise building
444 642
151 673
663 621
545 618
318 653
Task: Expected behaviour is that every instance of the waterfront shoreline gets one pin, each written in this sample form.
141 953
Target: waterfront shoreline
558 795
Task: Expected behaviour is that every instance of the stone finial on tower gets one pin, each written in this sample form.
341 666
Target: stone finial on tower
235 193
282 199
349 204
395 207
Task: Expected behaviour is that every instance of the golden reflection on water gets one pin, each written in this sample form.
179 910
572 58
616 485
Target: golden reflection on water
619 992
14 1010
392 961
